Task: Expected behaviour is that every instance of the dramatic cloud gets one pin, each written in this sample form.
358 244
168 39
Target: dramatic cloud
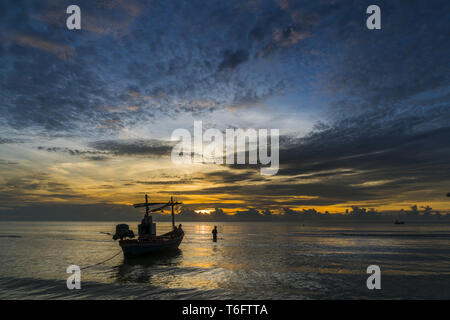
134 147
232 59
363 115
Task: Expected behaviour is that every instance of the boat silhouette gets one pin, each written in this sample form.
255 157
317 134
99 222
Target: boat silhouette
148 242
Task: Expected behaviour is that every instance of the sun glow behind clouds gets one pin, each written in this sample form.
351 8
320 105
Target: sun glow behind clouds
205 211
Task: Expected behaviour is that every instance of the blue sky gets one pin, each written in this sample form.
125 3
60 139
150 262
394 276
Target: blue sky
97 106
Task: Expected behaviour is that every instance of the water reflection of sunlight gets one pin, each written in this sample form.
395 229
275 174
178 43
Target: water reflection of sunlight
202 229
202 265
258 260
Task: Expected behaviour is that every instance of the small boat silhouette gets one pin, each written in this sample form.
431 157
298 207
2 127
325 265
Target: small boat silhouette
147 241
399 222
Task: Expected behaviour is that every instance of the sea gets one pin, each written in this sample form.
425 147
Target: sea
250 260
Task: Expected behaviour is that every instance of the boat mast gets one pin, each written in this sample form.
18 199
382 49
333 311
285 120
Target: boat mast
173 216
146 205
173 204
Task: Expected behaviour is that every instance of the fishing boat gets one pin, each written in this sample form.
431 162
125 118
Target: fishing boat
148 242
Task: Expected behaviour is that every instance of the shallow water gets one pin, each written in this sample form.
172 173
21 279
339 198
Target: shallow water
250 261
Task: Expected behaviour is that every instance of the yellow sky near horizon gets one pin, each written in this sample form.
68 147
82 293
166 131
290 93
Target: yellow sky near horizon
41 177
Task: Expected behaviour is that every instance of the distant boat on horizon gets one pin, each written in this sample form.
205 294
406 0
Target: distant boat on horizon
148 242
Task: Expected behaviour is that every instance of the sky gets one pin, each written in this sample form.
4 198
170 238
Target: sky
86 116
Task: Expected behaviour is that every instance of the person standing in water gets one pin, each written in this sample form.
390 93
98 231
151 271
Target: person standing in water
214 233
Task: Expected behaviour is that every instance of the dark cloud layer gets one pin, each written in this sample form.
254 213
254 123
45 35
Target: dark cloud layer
163 55
134 147
365 158
232 59
63 80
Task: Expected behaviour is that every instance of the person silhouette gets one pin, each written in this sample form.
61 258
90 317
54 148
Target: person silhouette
214 233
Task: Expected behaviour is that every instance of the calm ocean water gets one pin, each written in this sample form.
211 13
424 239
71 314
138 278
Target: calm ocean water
249 261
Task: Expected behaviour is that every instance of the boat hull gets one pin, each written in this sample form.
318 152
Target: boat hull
167 242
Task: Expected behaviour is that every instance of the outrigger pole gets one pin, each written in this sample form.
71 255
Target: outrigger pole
148 204
162 205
